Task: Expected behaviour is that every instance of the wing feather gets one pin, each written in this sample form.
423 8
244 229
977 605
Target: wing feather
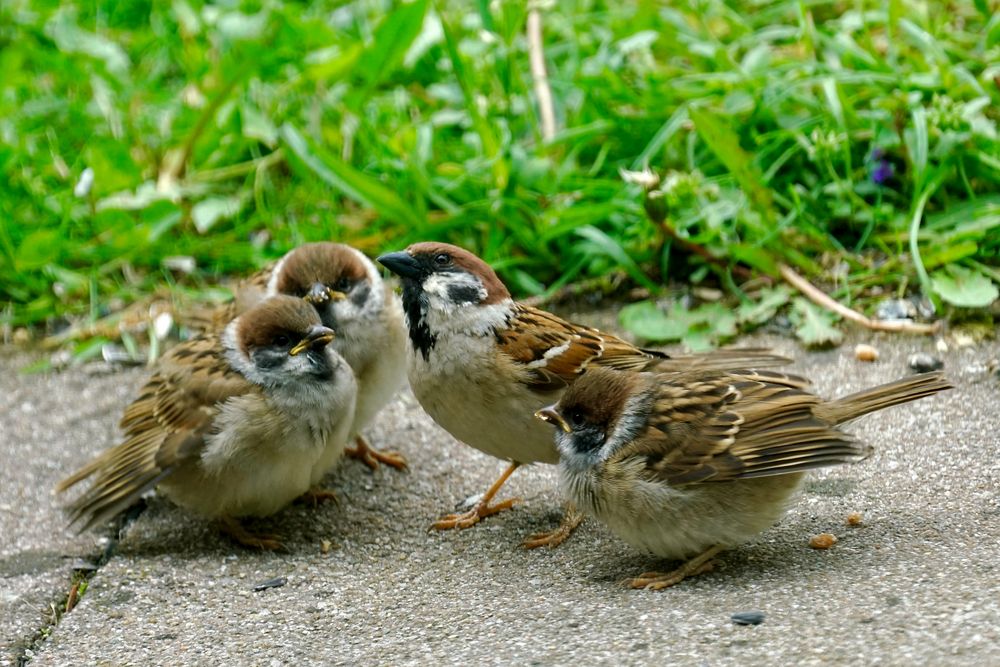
165 426
719 426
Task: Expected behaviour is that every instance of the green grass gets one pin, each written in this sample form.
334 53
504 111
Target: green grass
229 133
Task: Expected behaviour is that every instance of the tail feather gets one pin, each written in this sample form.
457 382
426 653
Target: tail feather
883 396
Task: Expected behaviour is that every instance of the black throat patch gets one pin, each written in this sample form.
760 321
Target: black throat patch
414 301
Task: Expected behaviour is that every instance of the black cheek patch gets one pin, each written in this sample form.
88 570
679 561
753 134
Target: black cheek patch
360 294
267 358
587 439
465 293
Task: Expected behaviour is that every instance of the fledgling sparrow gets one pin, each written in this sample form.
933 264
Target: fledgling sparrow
231 425
685 465
481 364
351 298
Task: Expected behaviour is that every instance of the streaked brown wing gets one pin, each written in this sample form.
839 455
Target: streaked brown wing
713 427
555 351
164 426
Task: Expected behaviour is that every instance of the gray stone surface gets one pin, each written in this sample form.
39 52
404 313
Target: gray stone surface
916 583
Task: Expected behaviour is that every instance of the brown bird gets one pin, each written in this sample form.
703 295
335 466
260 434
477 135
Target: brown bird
685 465
231 425
348 292
482 364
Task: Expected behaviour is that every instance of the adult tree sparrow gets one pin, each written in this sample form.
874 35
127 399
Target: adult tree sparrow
685 465
231 425
351 298
482 364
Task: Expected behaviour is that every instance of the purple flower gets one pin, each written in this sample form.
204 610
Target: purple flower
881 170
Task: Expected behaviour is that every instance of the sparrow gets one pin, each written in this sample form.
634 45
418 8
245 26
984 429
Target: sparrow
231 425
347 291
481 364
685 465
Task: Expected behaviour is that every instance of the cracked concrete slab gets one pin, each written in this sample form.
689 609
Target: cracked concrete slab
49 422
915 583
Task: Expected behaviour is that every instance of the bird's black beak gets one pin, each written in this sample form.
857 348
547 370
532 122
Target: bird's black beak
316 339
553 417
402 264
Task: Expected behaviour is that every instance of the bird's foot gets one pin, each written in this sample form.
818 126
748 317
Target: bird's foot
372 457
553 538
239 534
468 519
316 496
654 581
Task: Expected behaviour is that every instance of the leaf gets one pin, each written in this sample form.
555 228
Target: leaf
814 326
257 126
725 143
917 144
238 26
391 41
699 329
491 142
611 248
71 39
355 184
209 211
754 256
762 310
662 136
331 63
38 249
964 287
647 321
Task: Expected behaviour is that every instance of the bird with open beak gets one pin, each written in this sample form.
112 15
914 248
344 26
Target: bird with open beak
481 364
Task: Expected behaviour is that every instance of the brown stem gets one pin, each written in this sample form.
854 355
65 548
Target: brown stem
820 298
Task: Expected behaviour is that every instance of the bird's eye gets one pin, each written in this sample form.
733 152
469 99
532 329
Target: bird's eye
442 259
576 418
343 284
281 340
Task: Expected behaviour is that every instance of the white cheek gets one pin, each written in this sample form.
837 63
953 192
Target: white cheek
437 285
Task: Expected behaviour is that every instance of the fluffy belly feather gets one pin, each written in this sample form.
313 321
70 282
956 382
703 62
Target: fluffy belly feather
678 523
491 418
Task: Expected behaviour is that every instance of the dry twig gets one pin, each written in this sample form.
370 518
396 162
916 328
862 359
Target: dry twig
818 297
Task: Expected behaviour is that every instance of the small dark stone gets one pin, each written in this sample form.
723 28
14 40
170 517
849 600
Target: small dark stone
922 362
277 582
748 617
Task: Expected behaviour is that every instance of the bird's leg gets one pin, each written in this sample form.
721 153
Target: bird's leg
239 534
483 508
371 457
654 581
317 495
553 538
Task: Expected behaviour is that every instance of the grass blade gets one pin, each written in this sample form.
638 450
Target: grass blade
355 184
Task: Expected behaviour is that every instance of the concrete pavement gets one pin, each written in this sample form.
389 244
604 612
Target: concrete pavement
916 583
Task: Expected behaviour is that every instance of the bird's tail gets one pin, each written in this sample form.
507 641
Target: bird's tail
883 396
